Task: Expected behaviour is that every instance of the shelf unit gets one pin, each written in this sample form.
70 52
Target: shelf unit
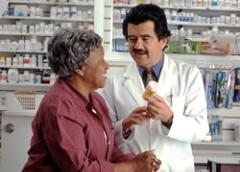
15 35
25 35
46 19
196 26
184 8
193 24
219 143
83 4
203 61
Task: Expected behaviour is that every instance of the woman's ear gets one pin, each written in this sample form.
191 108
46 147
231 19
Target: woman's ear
80 72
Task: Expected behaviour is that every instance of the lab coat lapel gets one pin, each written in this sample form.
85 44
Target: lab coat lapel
133 83
166 78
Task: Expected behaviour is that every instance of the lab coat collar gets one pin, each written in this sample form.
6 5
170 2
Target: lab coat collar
134 84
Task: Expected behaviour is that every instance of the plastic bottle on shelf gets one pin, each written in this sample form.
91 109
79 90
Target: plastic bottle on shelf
73 12
156 2
32 78
40 60
122 14
4 76
166 2
15 61
66 12
188 3
20 60
8 61
2 60
38 78
12 75
26 76
32 11
179 3
33 60
45 62
215 127
214 3
26 60
174 15
168 15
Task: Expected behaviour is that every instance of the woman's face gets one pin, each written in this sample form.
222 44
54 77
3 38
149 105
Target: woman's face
95 70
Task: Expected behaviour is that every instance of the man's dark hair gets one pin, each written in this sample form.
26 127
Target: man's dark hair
147 12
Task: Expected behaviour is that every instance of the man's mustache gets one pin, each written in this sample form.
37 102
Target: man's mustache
139 51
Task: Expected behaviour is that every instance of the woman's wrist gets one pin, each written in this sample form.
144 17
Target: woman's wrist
124 166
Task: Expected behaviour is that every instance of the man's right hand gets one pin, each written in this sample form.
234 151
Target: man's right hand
146 162
137 117
143 162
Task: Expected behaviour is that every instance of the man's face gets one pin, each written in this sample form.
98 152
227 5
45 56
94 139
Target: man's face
144 45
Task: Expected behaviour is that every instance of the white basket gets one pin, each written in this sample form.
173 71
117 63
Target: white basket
23 102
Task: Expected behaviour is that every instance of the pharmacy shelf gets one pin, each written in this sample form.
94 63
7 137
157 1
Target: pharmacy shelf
203 159
22 51
212 61
2 108
218 143
52 3
192 24
24 67
24 87
226 9
27 34
233 112
198 59
45 19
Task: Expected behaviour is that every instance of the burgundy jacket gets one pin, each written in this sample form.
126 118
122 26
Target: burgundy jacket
71 134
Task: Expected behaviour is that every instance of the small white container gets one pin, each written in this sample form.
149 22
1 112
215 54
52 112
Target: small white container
26 60
4 76
32 11
40 60
66 12
12 75
33 60
26 76
59 13
8 61
237 132
53 12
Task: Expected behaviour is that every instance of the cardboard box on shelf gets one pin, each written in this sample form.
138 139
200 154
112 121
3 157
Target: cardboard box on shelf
214 48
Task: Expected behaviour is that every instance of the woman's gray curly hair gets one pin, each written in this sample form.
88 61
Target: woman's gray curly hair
69 49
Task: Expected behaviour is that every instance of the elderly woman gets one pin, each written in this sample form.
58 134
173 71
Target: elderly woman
72 131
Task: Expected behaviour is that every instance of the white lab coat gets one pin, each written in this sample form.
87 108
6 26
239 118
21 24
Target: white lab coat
123 93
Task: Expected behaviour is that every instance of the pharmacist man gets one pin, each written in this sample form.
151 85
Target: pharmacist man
176 113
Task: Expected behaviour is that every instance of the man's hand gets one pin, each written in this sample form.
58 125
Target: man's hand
137 117
143 162
158 109
146 162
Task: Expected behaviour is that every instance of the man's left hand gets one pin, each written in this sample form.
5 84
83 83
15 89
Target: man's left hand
157 108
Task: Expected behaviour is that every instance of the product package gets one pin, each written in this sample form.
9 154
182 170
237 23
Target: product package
214 48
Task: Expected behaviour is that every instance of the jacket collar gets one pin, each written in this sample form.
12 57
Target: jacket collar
133 81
